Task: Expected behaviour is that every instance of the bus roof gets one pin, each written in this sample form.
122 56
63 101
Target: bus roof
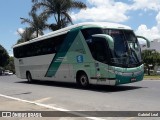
84 24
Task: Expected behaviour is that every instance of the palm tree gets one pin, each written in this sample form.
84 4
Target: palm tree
63 23
60 9
37 22
26 35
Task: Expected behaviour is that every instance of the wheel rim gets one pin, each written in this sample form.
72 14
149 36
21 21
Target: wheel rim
84 80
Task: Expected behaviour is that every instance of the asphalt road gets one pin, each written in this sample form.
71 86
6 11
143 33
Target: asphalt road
140 96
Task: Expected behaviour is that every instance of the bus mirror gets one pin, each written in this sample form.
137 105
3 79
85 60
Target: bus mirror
108 38
148 41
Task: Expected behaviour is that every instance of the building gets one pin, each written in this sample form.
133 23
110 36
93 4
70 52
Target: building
155 45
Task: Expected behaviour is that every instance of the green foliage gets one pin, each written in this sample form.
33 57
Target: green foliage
26 35
36 22
1 70
20 41
59 9
4 57
151 58
10 65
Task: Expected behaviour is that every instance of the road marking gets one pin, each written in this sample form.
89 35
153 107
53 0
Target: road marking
42 100
151 80
130 118
51 107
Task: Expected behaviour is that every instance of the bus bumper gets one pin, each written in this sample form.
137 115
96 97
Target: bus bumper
124 79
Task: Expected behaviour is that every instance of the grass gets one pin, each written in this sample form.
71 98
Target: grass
152 77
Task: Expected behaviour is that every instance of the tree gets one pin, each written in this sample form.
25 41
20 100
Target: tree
59 9
26 35
64 23
150 58
1 70
4 57
37 23
10 65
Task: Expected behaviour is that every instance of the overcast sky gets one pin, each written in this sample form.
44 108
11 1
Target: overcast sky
141 15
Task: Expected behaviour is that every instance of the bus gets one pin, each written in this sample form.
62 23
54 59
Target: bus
99 53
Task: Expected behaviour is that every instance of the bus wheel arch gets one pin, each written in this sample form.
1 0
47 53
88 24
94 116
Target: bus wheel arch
29 77
82 79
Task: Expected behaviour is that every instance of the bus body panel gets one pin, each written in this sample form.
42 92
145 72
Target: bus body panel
36 65
77 57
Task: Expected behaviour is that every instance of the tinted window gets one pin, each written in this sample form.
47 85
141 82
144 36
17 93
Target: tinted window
99 49
98 46
47 46
120 44
127 51
87 33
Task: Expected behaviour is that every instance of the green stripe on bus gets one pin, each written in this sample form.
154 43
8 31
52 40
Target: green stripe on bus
62 52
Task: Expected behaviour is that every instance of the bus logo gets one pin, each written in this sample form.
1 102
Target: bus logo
80 59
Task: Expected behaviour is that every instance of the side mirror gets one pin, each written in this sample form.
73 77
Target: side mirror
108 38
148 41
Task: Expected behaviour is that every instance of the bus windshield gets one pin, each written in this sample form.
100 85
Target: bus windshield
127 52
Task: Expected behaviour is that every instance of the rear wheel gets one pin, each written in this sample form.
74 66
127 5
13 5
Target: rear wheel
82 80
29 77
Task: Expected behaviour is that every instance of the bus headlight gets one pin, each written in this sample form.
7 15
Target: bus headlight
118 73
115 72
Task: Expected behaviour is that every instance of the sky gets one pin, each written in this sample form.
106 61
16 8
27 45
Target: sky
143 16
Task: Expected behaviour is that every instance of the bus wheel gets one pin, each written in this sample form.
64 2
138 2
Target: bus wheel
83 80
29 77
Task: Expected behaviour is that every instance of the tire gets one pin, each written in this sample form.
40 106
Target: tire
83 80
29 77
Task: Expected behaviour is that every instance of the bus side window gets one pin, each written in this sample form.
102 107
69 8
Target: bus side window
44 47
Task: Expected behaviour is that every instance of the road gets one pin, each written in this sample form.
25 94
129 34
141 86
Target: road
140 96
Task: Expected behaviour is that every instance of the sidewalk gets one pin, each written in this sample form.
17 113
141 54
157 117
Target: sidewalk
7 105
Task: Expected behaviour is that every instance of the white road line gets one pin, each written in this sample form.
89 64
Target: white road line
130 118
50 107
152 80
42 100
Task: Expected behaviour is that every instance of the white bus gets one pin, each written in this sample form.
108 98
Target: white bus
86 53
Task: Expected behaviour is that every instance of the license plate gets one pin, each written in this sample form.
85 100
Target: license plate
133 79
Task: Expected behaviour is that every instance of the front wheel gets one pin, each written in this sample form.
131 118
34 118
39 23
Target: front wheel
83 80
29 77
